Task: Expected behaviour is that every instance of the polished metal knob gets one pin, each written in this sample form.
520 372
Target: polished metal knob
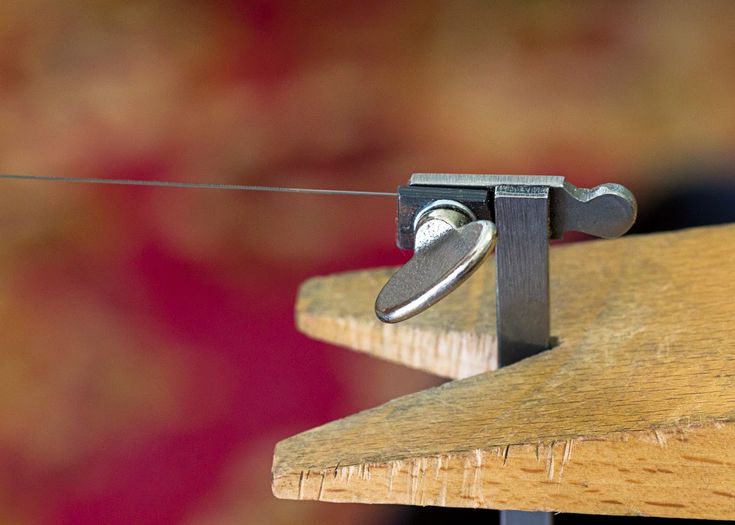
449 246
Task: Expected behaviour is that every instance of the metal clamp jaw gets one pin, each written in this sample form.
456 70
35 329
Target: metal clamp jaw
449 220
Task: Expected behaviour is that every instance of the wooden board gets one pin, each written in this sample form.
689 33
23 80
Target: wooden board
633 412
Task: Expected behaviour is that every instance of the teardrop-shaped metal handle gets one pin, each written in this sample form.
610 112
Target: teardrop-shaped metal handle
448 248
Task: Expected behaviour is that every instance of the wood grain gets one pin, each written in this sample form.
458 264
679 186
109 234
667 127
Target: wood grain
633 412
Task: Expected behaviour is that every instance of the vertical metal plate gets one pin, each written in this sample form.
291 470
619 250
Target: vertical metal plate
522 256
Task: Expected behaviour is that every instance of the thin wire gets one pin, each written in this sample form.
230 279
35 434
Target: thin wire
195 185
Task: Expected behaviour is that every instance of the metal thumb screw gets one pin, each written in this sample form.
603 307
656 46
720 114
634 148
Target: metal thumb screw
449 245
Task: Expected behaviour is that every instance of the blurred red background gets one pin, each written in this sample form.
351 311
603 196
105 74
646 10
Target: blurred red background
148 358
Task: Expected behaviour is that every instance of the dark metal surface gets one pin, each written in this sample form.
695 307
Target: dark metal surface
522 258
517 517
413 199
607 210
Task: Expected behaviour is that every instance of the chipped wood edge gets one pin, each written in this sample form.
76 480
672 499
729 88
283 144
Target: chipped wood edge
676 472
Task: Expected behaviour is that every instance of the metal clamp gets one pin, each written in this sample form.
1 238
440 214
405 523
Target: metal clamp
449 220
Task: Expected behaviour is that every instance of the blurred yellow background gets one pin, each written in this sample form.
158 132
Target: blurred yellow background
148 359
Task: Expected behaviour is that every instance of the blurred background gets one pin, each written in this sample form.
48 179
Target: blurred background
148 356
